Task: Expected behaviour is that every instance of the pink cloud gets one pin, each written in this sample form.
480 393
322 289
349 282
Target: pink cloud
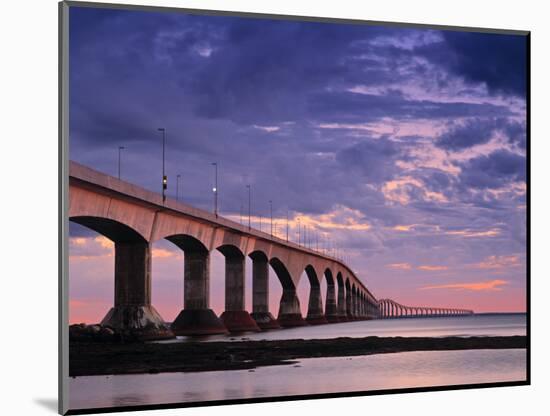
399 266
491 285
432 268
498 262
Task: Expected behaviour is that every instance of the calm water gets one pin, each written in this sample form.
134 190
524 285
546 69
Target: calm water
326 375
475 325
310 376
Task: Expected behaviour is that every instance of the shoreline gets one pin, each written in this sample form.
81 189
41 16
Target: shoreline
107 358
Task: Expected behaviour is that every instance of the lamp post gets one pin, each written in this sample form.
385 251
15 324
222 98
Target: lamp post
120 148
178 187
249 191
215 189
287 224
299 232
164 178
271 214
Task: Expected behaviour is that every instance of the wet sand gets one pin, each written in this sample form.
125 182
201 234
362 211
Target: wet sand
102 358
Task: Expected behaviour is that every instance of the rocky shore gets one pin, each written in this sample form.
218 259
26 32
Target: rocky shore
106 354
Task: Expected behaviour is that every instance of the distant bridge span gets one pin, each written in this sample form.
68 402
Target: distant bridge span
134 218
391 309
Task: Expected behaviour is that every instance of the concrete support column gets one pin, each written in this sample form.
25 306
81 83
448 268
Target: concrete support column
133 313
235 317
289 309
331 309
342 303
315 315
349 304
197 318
260 295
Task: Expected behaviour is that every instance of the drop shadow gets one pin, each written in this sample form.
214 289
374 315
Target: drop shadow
48 404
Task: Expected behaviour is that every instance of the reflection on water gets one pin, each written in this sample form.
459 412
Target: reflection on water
475 325
311 376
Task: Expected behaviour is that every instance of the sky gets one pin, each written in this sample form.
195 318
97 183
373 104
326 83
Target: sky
405 148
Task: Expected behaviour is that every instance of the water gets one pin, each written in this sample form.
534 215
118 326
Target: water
464 326
312 376
326 375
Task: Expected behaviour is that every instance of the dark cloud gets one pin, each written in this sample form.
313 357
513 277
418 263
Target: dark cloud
494 170
356 107
473 132
498 61
373 159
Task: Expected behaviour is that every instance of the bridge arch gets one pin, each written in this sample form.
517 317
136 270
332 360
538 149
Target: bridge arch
260 291
331 303
342 311
132 278
315 314
349 301
289 306
235 317
196 317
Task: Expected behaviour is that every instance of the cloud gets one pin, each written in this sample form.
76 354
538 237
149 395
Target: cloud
432 268
400 266
491 285
163 253
496 60
469 233
471 132
404 227
493 170
498 262
267 129
406 189
89 248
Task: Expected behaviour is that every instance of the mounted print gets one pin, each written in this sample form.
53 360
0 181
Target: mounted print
259 208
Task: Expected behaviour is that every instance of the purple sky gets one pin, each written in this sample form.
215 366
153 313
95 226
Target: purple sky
404 147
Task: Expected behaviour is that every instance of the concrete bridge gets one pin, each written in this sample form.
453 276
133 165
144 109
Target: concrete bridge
391 309
133 218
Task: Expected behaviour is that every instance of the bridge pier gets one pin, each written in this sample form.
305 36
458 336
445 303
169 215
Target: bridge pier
342 300
197 318
260 293
349 302
235 317
133 311
331 309
290 314
315 315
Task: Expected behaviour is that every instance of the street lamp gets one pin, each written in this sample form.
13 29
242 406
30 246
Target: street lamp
249 191
271 214
215 188
178 187
120 148
287 224
164 178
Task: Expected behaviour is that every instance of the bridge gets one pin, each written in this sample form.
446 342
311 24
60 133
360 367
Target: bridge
391 309
134 218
